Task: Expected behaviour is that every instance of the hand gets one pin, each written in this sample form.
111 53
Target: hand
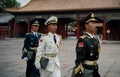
25 58
37 65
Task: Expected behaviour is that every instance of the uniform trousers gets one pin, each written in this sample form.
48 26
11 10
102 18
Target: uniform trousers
55 73
88 73
31 70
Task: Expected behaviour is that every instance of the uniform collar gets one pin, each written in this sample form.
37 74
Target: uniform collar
51 34
89 34
33 32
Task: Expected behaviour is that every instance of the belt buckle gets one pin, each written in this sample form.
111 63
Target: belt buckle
95 62
35 48
53 55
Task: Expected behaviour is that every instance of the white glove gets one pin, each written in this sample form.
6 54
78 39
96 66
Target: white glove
26 59
37 65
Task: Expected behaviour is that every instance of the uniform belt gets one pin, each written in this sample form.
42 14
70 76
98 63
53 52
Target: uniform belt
33 48
51 55
87 62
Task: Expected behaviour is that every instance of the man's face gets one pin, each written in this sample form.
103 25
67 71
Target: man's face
90 27
35 28
52 28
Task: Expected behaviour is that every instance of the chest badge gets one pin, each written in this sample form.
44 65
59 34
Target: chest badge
40 40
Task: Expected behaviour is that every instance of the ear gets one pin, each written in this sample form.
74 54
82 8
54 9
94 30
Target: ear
86 25
48 26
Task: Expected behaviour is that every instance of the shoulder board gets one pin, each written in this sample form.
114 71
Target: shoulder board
82 36
41 34
46 34
87 36
28 33
59 35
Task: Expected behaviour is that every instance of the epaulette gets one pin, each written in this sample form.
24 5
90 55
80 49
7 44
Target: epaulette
28 33
42 34
82 36
46 34
59 35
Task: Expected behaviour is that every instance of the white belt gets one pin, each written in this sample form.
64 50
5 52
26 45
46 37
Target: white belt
87 62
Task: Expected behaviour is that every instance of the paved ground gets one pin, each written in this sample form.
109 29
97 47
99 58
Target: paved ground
11 64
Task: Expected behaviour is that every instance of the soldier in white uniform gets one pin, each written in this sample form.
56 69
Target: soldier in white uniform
49 47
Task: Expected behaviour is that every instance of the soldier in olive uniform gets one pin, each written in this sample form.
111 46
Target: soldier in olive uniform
30 48
87 50
49 48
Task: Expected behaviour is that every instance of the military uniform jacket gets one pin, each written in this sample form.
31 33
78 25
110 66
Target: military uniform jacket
46 48
31 40
87 48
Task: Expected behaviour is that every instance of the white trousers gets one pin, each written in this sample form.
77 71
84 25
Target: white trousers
45 73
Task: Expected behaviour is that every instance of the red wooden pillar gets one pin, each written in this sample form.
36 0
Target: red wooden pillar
78 26
63 29
104 28
8 30
28 28
60 29
15 28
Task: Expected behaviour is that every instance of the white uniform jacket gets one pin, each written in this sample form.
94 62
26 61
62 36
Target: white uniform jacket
49 49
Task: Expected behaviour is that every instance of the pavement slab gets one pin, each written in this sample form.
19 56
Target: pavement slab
11 64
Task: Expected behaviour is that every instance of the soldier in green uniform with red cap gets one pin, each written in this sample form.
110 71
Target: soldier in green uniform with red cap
87 50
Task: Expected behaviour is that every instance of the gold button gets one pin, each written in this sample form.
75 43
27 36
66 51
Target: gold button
91 54
80 72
